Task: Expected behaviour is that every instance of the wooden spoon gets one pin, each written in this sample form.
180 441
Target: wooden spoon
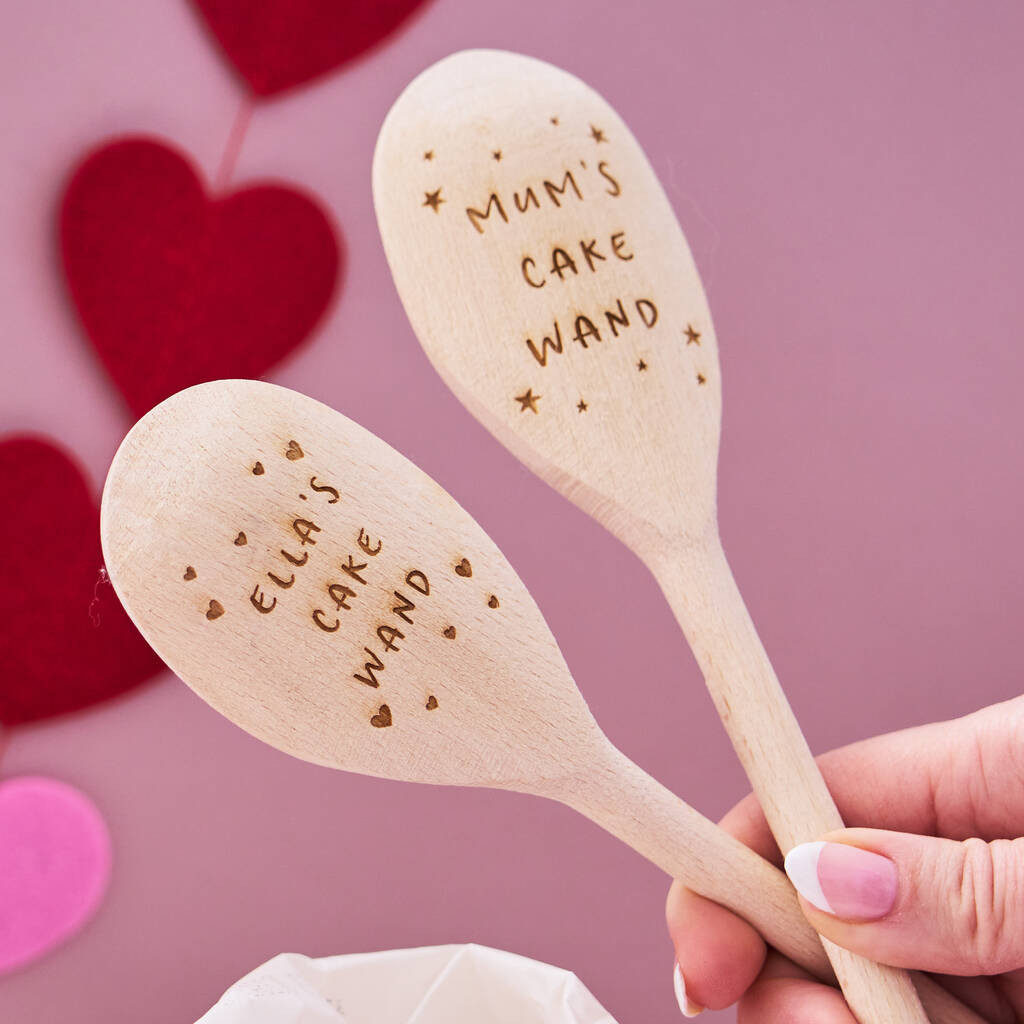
547 278
319 590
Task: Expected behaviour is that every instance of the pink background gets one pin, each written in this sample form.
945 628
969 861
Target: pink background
850 181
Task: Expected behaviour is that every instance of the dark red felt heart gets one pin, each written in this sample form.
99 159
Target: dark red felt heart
277 44
175 287
65 641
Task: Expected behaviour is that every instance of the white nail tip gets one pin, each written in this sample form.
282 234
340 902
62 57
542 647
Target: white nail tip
679 984
802 868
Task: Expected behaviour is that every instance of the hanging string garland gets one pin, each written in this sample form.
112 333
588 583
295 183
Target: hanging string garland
174 283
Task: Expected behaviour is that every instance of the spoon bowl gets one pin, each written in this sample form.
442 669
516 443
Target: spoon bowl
552 288
247 525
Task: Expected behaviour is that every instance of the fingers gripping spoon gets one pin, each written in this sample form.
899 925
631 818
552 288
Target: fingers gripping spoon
326 595
545 274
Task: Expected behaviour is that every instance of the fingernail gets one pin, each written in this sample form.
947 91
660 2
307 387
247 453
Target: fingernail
842 880
689 1008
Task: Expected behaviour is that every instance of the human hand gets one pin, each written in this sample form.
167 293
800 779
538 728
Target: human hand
935 884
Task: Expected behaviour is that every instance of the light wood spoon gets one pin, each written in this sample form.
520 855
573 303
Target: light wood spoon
326 595
548 280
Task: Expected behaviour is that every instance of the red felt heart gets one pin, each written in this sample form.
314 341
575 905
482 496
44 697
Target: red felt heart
277 44
65 641
175 287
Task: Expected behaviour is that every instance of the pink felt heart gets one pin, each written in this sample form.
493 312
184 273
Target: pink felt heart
54 866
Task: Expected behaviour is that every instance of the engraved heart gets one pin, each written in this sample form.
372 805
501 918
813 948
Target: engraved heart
215 611
464 569
431 702
492 602
450 632
240 540
258 470
294 451
190 573
383 717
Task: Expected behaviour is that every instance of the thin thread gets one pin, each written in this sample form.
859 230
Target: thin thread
94 604
673 188
234 145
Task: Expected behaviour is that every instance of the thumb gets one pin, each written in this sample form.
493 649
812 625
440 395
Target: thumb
914 901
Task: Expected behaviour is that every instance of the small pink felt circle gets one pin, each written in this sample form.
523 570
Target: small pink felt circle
55 861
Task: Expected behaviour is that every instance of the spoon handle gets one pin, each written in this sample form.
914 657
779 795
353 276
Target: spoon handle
764 731
625 801
628 803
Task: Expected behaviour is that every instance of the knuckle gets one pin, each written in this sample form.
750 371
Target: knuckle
1015 744
989 897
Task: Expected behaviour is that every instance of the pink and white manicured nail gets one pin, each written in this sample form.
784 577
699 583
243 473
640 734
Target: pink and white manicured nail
842 880
687 1005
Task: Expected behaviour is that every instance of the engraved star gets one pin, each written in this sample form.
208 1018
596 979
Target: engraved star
597 135
581 405
429 155
701 379
528 400
641 366
433 200
692 336
496 154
